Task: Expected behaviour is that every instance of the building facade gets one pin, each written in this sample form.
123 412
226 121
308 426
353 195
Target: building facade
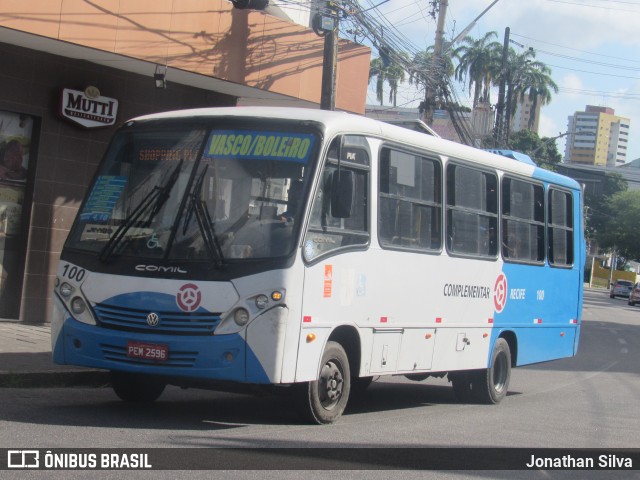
526 113
597 137
73 71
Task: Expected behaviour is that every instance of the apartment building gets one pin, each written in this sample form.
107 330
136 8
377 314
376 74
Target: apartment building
524 114
597 137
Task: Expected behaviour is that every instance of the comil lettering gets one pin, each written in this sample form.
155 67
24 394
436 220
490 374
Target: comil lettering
159 269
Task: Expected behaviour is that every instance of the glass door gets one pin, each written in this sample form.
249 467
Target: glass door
15 143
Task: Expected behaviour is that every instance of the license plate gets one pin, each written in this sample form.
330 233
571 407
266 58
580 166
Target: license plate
148 351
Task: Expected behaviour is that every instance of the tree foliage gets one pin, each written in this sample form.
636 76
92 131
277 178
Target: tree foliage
478 65
543 151
389 72
622 228
599 209
528 77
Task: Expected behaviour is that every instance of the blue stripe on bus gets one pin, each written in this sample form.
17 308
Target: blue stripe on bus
540 318
189 356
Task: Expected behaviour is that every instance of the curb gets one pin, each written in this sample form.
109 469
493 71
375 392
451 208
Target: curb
53 379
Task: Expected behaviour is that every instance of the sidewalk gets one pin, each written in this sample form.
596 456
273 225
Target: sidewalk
25 360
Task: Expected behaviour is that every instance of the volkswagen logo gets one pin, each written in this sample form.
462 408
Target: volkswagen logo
153 319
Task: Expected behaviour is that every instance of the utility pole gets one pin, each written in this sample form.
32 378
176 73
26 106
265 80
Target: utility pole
500 116
326 24
436 65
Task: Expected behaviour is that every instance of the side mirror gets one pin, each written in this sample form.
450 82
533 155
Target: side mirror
342 189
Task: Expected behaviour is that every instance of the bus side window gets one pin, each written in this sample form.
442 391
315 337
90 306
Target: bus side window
472 215
522 221
410 214
327 233
560 228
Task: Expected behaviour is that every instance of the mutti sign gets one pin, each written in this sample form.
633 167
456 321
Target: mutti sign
88 108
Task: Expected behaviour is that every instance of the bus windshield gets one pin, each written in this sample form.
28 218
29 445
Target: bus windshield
196 194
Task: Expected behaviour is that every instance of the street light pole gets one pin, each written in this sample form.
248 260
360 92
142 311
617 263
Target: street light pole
329 68
553 139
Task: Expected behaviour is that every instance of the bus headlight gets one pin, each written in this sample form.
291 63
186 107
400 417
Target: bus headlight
78 306
247 309
74 302
262 301
66 290
241 317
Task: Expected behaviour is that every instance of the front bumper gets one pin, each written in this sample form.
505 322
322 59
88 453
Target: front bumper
215 357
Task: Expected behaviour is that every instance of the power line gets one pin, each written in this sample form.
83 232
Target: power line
596 6
575 49
597 93
591 62
593 73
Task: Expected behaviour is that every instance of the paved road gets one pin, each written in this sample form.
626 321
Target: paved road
587 401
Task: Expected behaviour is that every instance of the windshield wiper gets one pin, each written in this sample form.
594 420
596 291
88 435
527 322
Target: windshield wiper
196 190
205 223
150 205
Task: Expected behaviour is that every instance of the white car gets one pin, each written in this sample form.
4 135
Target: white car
620 288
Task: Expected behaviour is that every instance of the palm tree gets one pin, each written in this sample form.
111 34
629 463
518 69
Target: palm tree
479 65
390 72
528 77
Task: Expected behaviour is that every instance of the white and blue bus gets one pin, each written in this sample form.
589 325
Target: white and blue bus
316 250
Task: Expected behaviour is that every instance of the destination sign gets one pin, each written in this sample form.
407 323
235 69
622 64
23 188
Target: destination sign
295 147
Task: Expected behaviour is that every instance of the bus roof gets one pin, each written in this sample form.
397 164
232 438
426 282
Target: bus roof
336 122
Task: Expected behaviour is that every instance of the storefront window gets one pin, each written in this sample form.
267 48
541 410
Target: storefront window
15 142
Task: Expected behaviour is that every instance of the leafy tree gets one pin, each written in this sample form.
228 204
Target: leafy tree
543 151
622 228
599 210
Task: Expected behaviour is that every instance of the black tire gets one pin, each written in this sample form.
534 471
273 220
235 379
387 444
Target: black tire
136 388
323 401
490 385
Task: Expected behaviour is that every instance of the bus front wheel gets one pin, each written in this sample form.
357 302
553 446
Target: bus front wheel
136 388
490 385
323 400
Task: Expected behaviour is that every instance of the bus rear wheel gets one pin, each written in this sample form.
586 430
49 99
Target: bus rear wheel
323 400
490 385
136 388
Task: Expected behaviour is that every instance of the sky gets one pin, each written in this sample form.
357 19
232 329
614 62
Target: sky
591 46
